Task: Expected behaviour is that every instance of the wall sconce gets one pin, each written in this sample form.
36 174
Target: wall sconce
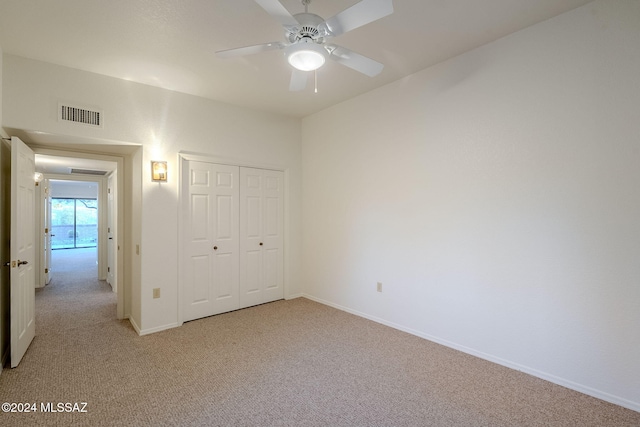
38 177
158 171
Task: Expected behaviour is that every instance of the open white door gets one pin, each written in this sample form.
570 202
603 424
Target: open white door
43 230
112 235
47 232
23 250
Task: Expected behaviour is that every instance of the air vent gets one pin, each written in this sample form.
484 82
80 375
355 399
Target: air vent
81 115
87 172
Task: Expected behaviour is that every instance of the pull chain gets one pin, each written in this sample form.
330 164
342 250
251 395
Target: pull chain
315 77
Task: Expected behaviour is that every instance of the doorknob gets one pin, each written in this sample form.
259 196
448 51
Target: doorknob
215 248
22 263
261 243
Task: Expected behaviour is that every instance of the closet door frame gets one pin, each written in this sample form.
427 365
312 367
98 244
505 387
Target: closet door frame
183 161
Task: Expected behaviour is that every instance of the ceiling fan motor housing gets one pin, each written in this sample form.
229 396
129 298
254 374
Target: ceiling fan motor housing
307 30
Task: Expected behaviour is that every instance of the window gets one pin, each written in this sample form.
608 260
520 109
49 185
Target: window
74 223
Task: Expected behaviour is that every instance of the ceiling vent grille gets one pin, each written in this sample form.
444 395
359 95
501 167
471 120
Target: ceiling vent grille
76 114
87 172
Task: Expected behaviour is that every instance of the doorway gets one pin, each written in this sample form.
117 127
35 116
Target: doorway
73 216
73 226
80 194
120 157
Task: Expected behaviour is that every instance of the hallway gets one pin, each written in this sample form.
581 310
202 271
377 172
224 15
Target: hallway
74 298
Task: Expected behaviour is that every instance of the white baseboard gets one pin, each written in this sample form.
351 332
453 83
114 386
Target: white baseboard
156 329
135 325
294 296
616 400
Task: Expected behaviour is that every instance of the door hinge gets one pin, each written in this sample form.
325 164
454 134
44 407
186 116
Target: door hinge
108 191
46 271
108 269
108 229
46 230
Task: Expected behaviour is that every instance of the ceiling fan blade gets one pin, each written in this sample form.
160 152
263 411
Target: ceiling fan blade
249 50
359 14
354 60
278 11
298 80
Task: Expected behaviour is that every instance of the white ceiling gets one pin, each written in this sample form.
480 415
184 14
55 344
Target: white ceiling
62 165
171 43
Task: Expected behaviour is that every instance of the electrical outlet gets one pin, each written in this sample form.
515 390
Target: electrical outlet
379 287
156 292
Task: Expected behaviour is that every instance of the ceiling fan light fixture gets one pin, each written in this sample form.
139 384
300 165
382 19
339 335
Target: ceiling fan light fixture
306 56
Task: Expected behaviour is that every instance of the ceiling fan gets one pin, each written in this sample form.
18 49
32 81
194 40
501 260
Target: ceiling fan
306 36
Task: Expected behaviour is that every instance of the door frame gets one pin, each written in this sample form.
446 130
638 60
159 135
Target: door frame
102 183
187 156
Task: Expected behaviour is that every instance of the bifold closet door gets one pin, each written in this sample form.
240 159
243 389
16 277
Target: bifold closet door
261 236
211 239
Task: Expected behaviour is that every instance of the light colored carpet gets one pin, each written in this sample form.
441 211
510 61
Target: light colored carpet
287 363
74 297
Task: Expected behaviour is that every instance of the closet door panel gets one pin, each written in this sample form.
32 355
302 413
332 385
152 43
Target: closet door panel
224 267
211 240
200 290
261 224
273 237
233 238
253 273
251 225
271 274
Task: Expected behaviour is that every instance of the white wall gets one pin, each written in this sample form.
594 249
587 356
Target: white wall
497 198
163 123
